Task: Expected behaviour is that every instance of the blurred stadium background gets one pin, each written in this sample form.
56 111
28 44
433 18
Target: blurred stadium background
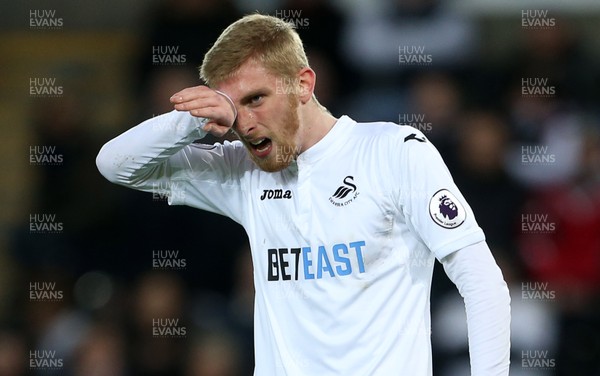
99 280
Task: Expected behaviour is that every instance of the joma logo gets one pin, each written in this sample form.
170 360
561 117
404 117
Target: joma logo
276 194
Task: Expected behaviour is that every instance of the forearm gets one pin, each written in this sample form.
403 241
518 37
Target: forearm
487 302
142 153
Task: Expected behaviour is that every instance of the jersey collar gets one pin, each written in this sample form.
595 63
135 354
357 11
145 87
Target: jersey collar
332 141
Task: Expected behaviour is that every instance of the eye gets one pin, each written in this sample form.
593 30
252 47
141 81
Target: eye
257 99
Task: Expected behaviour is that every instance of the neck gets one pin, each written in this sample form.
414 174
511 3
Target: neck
315 123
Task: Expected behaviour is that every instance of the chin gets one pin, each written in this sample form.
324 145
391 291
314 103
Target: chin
270 165
274 162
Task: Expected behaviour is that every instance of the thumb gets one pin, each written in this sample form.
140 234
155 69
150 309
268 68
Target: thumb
215 129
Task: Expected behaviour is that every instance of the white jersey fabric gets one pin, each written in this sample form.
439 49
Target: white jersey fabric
343 241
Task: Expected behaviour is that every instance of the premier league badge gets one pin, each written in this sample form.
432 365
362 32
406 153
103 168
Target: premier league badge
446 210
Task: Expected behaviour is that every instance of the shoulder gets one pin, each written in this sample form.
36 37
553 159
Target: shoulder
390 134
399 148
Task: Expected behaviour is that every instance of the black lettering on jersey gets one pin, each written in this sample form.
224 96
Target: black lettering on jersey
273 265
413 136
275 194
296 251
309 263
278 264
284 264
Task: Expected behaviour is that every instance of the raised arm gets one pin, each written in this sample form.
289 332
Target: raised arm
150 152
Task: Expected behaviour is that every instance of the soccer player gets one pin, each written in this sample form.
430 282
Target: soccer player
344 219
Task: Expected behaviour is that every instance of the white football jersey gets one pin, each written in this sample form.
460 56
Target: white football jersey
343 241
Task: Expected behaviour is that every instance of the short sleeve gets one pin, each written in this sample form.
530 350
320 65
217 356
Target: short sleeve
431 202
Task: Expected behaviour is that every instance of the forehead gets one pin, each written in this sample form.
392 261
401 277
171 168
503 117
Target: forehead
250 77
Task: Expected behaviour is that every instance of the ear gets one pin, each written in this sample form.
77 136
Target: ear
306 84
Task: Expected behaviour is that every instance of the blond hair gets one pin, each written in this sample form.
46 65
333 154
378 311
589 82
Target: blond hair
270 40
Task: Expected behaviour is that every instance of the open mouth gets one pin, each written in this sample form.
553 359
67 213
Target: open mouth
261 147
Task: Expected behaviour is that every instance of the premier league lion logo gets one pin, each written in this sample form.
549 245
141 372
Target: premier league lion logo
448 208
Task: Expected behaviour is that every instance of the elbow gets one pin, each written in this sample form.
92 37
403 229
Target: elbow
501 297
107 164
505 296
495 286
498 295
499 286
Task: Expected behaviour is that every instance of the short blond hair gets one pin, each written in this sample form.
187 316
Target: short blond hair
270 40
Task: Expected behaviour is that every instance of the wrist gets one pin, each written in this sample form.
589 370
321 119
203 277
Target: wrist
230 103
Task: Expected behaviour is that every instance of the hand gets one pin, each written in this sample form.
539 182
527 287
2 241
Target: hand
201 101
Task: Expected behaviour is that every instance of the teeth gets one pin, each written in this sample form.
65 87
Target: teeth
263 149
257 142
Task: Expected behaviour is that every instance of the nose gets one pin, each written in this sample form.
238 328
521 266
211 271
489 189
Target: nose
245 123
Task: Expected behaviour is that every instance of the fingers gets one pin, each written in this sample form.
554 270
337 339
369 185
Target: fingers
191 93
196 103
215 129
201 101
194 96
212 112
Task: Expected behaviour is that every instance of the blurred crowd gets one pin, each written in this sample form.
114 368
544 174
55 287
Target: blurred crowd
527 161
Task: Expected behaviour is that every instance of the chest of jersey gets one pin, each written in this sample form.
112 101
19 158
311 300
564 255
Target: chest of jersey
320 224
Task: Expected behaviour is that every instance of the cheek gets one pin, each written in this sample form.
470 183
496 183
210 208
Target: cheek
274 117
264 114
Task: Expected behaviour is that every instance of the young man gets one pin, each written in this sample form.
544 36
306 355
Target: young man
344 219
